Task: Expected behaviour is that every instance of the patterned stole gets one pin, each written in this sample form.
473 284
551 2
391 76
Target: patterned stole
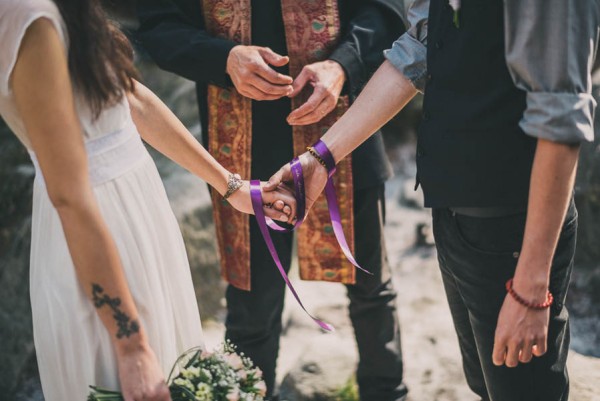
312 31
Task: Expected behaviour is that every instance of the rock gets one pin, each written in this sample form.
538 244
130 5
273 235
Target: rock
411 197
16 176
424 235
321 374
584 294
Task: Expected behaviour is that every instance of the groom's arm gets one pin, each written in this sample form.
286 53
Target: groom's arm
173 33
550 49
394 84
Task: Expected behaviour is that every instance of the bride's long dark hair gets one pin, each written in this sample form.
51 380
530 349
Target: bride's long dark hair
100 55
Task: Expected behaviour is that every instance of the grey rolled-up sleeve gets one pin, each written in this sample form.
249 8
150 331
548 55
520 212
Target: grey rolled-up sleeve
550 51
409 53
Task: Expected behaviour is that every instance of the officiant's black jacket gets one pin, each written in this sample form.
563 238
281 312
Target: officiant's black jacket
173 33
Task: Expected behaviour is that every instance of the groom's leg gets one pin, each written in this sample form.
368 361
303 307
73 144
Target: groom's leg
373 304
254 318
480 255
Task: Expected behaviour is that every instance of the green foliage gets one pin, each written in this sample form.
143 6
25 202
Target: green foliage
349 392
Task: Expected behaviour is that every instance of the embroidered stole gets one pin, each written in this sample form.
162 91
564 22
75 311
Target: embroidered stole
312 30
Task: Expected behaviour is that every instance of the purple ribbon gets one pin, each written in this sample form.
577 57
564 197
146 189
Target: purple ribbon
332 203
334 213
298 177
257 204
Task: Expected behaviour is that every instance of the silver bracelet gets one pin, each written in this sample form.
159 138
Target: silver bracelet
234 182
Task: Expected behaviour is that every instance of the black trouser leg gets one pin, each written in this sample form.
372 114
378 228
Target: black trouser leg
477 256
373 304
254 317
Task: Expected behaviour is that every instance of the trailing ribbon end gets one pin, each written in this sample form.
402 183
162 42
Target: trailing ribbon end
325 326
334 210
257 205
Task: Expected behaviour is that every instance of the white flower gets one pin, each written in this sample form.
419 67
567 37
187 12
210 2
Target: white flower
207 374
242 374
261 387
455 4
203 392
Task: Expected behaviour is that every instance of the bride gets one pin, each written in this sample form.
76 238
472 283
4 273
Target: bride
111 291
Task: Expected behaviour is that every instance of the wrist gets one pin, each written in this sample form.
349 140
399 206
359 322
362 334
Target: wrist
337 67
220 184
130 345
230 57
533 287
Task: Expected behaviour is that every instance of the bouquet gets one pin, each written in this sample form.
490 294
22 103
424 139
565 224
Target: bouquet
222 375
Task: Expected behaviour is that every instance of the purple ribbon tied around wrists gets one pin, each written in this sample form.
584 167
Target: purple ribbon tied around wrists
264 223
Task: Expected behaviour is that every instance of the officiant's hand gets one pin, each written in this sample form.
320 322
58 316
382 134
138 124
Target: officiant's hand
327 78
279 203
252 76
315 178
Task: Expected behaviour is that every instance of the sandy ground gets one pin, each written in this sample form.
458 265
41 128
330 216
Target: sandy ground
432 361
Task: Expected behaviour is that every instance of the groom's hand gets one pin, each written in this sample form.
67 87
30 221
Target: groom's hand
521 332
315 178
327 78
252 76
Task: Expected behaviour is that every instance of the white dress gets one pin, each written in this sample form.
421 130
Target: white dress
73 347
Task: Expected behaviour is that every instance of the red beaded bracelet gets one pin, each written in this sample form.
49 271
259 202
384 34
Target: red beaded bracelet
530 305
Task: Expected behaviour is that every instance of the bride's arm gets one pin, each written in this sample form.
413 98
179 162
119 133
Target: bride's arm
44 99
160 128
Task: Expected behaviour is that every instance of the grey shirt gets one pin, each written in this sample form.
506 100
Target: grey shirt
550 48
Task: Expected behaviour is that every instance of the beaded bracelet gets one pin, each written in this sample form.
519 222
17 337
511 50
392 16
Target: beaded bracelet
531 305
317 156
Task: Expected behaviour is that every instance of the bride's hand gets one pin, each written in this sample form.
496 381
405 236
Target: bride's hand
278 204
141 376
315 178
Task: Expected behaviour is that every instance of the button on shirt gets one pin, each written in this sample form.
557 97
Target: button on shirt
550 48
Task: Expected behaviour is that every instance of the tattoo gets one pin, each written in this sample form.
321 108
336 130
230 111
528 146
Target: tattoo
127 327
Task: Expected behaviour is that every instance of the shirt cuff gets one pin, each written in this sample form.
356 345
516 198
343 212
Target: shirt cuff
409 56
349 59
217 74
559 117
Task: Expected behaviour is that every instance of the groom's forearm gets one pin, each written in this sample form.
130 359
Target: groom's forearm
383 97
552 180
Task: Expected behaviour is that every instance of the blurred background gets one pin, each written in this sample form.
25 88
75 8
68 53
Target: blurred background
409 244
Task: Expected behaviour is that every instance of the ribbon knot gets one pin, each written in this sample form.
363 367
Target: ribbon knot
265 223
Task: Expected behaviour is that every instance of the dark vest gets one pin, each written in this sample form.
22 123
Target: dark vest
470 150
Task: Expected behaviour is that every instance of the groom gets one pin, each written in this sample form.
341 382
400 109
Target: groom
507 102
258 108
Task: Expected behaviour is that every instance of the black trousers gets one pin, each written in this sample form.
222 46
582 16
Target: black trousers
254 318
477 256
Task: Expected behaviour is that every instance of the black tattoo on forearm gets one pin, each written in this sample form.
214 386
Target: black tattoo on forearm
126 325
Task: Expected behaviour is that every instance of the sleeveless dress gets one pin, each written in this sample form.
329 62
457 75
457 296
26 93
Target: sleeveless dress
74 349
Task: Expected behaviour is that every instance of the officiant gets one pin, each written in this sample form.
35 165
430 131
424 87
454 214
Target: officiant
272 77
